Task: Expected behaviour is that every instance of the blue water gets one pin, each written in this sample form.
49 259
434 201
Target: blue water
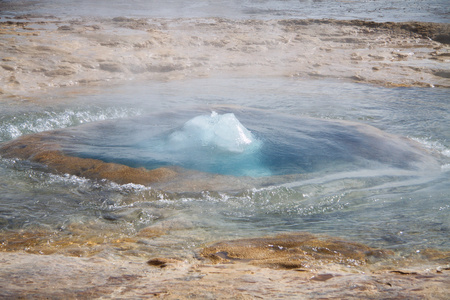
400 203
272 144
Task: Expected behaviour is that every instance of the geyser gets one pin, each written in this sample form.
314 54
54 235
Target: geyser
215 143
217 133
200 152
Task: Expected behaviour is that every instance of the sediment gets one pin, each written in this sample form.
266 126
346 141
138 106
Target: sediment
296 265
39 55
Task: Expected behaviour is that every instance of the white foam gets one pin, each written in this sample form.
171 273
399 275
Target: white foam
38 122
433 145
215 131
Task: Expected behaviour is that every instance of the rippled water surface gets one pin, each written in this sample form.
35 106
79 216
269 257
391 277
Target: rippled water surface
376 10
390 205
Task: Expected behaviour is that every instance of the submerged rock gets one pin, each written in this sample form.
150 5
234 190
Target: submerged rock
292 251
41 148
45 149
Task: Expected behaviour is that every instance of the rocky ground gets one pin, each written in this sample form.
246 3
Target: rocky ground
40 55
281 267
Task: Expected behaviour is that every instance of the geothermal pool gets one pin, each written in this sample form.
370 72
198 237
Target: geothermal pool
218 143
364 163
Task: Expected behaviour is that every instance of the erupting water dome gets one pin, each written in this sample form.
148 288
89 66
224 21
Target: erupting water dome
216 132
216 143
270 145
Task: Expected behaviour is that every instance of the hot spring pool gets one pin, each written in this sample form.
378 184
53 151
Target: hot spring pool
270 144
365 163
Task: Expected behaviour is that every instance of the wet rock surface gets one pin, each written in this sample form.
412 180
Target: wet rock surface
41 54
299 251
40 149
234 275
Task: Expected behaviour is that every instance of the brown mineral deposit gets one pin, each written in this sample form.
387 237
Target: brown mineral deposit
326 274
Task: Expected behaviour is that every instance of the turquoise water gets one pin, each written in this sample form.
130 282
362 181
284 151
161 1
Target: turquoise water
394 197
269 143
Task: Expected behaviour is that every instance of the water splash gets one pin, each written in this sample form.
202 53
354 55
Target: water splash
222 133
216 143
12 127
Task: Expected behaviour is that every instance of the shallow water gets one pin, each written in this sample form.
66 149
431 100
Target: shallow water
375 10
390 205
